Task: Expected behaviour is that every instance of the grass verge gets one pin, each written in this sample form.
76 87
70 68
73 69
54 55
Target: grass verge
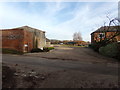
73 46
11 51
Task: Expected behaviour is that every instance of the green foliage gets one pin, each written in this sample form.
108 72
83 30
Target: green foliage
50 48
46 49
74 45
111 50
11 51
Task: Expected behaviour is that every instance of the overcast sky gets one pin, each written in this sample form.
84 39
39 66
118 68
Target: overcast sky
59 19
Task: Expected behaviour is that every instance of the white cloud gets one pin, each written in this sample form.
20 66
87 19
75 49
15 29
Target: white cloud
86 18
60 0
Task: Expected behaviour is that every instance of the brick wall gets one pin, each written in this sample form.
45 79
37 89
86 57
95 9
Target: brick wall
23 39
95 36
13 39
28 40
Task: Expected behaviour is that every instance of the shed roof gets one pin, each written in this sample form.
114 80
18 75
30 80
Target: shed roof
107 29
25 28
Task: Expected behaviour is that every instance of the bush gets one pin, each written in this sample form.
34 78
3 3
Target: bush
46 49
50 48
95 46
111 50
11 51
36 50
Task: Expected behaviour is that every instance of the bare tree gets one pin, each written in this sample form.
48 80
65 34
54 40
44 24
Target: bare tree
77 36
115 26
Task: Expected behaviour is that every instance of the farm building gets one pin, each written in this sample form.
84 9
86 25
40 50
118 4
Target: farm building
23 39
48 43
106 32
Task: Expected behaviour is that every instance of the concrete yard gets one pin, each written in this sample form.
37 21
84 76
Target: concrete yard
64 67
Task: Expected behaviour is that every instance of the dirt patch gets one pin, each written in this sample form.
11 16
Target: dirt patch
59 58
8 79
12 78
65 48
15 76
72 79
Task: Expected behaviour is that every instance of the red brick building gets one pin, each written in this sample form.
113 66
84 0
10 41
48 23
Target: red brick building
23 38
105 32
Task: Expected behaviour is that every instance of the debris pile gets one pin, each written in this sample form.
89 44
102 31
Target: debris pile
12 78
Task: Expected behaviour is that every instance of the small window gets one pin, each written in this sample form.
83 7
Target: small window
25 45
101 35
